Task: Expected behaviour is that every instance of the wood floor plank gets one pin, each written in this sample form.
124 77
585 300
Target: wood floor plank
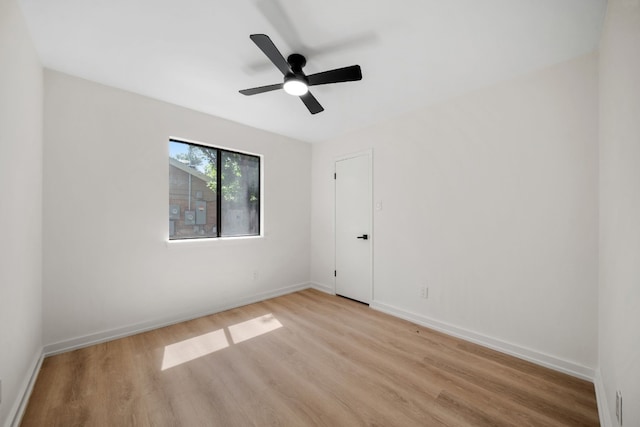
304 359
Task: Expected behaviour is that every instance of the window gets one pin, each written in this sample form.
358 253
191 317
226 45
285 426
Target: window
212 192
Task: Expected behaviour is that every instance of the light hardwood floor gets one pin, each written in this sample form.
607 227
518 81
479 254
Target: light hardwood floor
314 360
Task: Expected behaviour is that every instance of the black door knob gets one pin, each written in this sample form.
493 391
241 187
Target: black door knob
364 236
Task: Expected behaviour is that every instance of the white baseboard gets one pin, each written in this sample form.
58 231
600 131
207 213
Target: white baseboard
533 356
576 370
601 398
20 405
112 334
322 287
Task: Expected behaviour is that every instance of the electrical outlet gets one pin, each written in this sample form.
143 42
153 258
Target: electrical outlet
424 292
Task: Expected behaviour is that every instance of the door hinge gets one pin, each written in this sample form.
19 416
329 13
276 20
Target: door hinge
335 176
335 273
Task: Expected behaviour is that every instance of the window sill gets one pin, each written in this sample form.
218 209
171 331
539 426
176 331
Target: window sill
209 241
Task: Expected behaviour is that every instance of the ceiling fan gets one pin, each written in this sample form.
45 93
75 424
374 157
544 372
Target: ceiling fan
296 82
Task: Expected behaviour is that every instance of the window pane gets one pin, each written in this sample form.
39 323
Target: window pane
240 200
192 191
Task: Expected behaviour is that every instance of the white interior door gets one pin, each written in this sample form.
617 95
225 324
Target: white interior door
353 191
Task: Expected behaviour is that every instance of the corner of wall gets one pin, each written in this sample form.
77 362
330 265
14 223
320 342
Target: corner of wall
323 288
601 398
20 405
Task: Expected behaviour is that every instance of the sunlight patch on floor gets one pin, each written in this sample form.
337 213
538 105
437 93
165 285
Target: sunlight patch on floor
193 348
202 345
253 328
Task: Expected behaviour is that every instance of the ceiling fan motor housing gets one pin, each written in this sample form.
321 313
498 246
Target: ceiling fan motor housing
295 76
297 62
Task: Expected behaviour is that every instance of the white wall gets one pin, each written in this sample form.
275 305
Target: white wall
619 297
491 200
20 207
107 265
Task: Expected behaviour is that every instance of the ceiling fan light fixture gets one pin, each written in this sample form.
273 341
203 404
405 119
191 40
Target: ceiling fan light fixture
295 87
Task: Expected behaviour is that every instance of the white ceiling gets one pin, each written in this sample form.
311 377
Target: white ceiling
413 53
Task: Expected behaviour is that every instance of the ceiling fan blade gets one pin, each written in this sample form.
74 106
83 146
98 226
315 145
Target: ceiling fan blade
339 75
266 45
261 89
312 103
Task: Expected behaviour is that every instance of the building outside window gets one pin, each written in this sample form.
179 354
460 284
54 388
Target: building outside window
213 192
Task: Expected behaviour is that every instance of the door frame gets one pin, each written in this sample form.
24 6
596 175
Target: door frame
369 154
